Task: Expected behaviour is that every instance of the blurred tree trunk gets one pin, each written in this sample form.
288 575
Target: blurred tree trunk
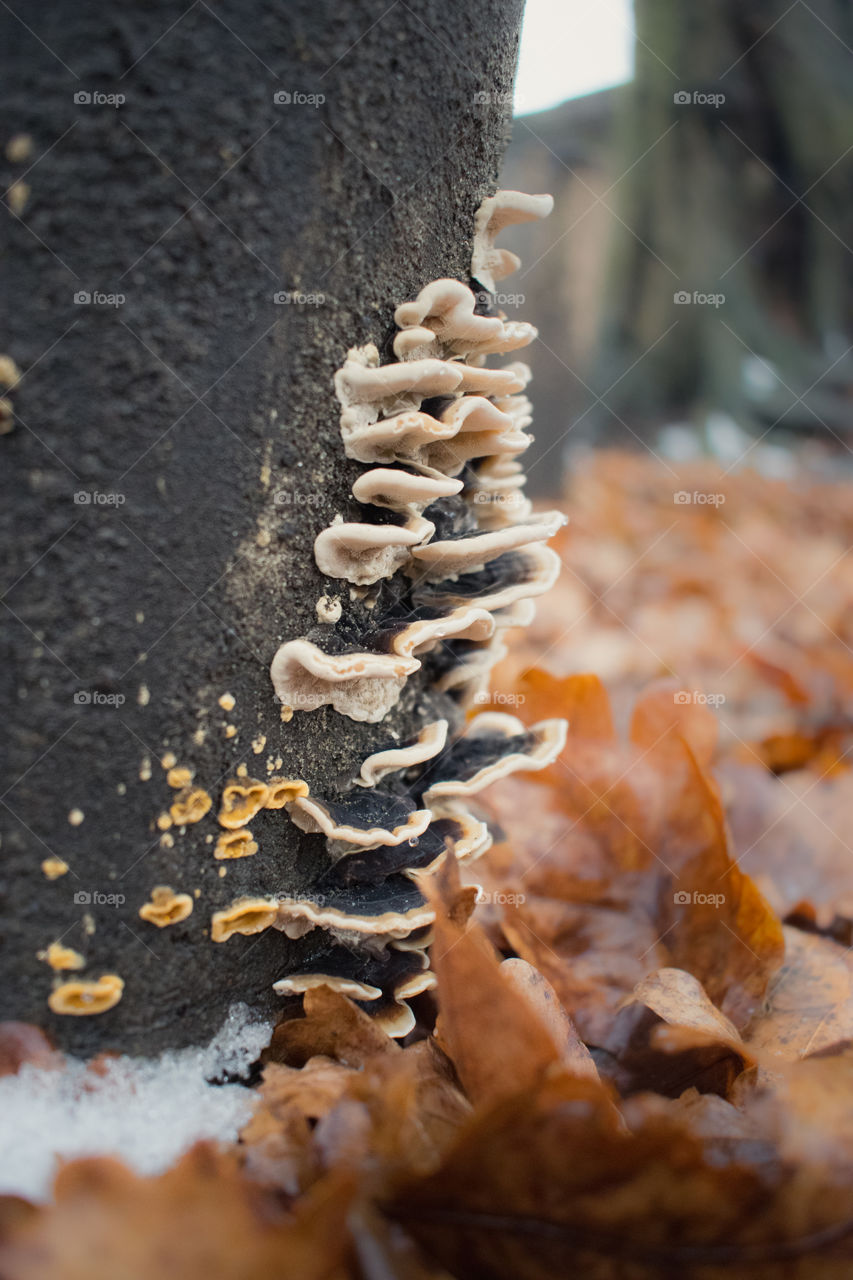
736 185
176 446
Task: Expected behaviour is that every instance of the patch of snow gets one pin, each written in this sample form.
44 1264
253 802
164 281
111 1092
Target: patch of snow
146 1111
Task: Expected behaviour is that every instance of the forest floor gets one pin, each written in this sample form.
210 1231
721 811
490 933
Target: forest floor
642 1063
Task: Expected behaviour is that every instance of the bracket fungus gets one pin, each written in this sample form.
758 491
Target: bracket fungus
460 560
437 554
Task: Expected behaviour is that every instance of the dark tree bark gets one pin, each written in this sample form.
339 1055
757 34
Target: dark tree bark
734 181
198 420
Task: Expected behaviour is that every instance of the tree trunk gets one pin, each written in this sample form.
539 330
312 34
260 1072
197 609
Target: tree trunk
729 273
176 447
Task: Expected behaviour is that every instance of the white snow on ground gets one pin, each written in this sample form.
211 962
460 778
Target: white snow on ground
146 1111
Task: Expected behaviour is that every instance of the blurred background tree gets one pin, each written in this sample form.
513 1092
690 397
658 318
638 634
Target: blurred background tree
722 169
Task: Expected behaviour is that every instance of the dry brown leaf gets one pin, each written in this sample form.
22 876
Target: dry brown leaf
496 1041
202 1220
333 1027
538 993
21 1044
810 1003
793 835
627 869
666 715
669 1037
551 1183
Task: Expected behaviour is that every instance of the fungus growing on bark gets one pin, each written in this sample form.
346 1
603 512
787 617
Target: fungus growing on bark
190 805
53 868
442 321
402 491
298 984
363 686
283 791
363 817
247 916
392 759
503 209
235 844
166 907
242 798
78 998
461 555
179 777
60 957
369 916
440 434
364 553
494 745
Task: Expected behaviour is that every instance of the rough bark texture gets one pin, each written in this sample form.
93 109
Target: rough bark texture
209 409
733 182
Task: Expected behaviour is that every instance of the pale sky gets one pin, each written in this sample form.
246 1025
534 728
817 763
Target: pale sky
571 47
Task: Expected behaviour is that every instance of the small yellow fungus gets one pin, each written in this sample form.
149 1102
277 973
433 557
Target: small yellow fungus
59 957
78 998
282 791
247 915
166 907
235 844
241 801
190 806
53 868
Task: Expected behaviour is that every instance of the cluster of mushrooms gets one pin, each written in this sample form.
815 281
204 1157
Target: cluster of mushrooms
449 554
